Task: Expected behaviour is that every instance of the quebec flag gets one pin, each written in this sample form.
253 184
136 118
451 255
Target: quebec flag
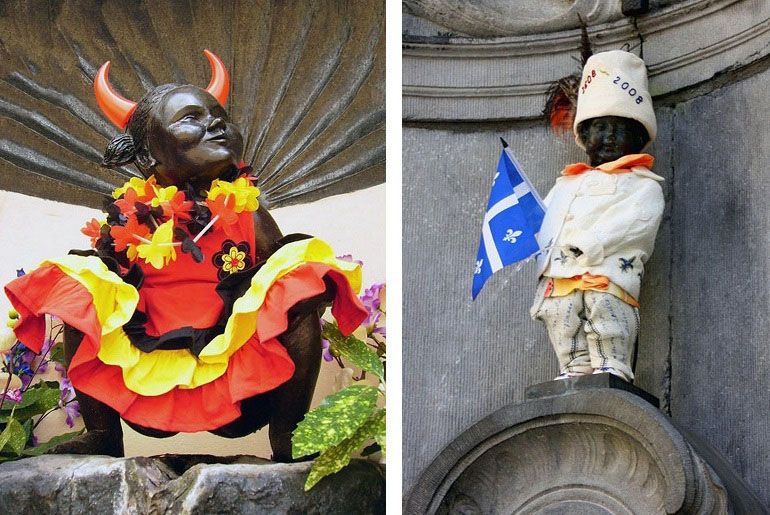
514 215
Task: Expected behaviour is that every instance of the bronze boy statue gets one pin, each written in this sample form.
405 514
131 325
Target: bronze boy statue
194 312
600 223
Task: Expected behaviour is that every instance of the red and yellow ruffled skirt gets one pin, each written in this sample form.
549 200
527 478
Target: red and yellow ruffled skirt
174 390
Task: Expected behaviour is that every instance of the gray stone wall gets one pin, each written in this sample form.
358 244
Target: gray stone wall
720 266
705 326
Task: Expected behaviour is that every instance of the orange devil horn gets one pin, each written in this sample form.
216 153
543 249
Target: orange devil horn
219 87
117 108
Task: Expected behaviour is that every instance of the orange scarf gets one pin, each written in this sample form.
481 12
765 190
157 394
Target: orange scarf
624 164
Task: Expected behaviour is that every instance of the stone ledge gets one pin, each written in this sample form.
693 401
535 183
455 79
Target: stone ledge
506 78
184 484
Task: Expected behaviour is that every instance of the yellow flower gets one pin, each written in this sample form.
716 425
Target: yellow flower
234 260
135 182
131 252
164 195
245 194
7 339
160 252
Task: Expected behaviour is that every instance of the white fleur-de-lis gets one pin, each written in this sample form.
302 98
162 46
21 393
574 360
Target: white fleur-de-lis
477 270
511 235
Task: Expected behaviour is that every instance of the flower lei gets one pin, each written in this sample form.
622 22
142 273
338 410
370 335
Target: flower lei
146 221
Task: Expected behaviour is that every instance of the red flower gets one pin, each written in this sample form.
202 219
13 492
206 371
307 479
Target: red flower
92 229
226 214
127 204
178 207
123 235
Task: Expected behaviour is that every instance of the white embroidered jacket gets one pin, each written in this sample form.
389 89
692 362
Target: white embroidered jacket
611 217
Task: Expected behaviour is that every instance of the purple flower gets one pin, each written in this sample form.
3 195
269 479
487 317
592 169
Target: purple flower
371 301
47 344
72 409
348 257
67 401
34 440
67 392
326 345
20 272
28 357
327 354
13 394
380 331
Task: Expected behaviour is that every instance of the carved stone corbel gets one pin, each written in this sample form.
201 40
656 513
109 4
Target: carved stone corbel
584 446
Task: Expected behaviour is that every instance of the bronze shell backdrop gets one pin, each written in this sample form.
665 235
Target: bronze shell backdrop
307 88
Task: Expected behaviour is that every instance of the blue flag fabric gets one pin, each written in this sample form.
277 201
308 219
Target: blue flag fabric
514 215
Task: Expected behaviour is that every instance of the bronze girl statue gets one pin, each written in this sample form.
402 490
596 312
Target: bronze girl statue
192 312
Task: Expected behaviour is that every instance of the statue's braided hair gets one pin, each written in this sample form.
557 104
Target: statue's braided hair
123 149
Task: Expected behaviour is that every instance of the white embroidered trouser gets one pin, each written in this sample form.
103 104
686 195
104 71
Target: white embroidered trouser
589 330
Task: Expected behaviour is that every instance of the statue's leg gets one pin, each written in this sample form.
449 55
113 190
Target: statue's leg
104 434
255 414
564 318
612 327
290 401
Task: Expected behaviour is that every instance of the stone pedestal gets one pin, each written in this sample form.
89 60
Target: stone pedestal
184 484
588 445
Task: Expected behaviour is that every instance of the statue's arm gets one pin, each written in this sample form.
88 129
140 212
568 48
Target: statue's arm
266 233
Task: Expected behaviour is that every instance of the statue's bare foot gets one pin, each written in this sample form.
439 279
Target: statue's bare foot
91 442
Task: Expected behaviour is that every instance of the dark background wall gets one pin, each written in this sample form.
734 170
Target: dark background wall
307 88
703 344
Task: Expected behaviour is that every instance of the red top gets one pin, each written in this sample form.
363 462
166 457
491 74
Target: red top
194 282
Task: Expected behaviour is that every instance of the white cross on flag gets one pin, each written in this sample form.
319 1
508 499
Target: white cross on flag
514 215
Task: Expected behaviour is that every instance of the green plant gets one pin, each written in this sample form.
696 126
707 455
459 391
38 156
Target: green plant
348 419
25 400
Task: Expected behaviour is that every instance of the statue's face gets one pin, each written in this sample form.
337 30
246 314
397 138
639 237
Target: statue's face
192 139
608 138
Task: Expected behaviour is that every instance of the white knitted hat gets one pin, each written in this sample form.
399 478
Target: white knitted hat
614 83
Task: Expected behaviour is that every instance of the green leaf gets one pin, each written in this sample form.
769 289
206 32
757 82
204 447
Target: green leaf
27 430
49 398
332 460
379 434
56 440
13 437
28 398
43 397
5 436
354 350
16 437
34 394
57 354
22 414
337 418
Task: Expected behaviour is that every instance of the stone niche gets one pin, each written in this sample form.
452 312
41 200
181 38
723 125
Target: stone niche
704 326
188 484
